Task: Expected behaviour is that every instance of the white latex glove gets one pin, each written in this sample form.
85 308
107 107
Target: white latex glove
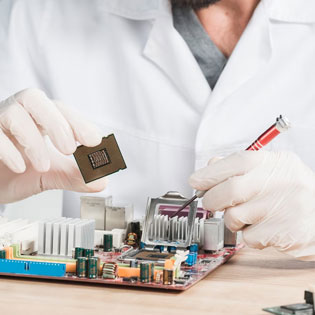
270 196
27 164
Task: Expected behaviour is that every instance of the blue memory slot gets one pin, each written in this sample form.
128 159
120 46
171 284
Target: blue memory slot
34 268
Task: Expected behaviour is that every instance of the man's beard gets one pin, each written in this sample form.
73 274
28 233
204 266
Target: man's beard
194 4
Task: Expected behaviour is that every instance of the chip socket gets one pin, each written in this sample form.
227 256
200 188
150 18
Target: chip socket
99 161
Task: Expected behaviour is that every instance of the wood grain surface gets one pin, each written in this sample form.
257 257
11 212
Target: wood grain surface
251 280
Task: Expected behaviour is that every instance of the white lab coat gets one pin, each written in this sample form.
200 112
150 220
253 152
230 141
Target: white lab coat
124 66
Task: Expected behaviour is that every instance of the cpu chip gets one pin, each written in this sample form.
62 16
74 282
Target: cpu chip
99 161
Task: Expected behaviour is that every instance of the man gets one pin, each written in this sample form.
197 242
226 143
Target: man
175 95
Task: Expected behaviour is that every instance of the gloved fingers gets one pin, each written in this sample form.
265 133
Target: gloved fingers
233 191
234 165
253 237
18 123
46 114
251 212
265 233
10 156
65 174
84 132
214 159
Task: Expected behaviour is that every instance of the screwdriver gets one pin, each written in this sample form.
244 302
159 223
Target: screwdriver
282 124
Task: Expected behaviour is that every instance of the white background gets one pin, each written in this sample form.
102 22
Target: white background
45 205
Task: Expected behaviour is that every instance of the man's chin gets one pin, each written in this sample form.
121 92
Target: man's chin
194 4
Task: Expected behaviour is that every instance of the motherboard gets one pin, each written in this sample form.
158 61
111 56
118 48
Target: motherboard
106 246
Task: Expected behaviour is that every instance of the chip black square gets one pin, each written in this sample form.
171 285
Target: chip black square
99 161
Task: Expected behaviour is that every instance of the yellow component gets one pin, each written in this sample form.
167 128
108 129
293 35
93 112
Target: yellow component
169 264
70 266
127 272
9 252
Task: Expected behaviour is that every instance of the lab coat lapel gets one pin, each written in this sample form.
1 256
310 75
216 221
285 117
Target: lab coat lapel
252 52
167 49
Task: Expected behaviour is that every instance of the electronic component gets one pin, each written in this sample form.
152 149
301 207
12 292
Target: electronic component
173 247
107 215
88 252
170 210
94 208
59 237
2 254
118 238
78 252
133 233
192 256
108 242
109 270
159 230
19 231
99 161
145 272
213 234
152 272
25 267
306 308
231 238
170 234
298 309
158 277
133 263
148 255
82 266
168 276
93 267
132 239
115 217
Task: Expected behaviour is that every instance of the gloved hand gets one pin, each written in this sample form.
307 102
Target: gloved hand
270 196
28 164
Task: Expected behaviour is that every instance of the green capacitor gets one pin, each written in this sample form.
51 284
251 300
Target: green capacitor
81 267
88 252
78 252
92 268
145 272
108 242
3 254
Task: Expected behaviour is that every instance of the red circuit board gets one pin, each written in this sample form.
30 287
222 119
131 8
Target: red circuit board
206 263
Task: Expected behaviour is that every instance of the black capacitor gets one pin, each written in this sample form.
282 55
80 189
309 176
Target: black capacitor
88 252
168 276
81 267
78 252
93 267
152 272
144 272
108 242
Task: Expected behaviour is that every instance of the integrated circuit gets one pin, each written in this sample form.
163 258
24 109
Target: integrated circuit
102 160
